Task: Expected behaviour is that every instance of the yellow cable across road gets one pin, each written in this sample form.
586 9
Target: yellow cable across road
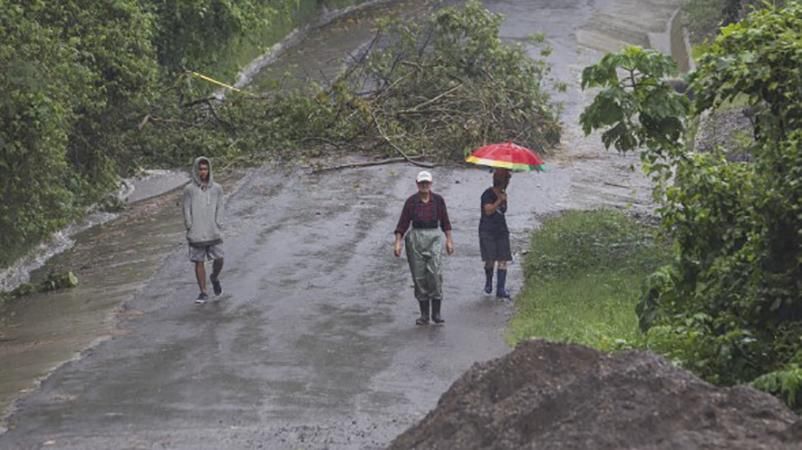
219 83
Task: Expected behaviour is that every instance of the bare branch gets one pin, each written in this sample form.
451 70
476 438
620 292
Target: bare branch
401 152
364 164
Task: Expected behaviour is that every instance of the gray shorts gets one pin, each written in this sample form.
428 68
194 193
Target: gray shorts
201 254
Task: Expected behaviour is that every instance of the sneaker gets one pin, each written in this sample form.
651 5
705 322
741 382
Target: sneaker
488 289
202 297
218 289
504 293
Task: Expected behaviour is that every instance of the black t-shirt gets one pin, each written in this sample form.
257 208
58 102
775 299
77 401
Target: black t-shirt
496 222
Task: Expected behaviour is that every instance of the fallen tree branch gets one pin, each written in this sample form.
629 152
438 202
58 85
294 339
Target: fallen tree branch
430 101
401 152
226 123
321 139
143 122
198 101
364 164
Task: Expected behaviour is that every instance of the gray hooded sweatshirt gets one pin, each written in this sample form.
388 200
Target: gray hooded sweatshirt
203 208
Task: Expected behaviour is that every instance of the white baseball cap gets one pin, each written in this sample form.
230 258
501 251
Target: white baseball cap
423 176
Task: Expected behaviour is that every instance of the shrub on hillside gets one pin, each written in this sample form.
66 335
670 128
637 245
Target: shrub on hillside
734 308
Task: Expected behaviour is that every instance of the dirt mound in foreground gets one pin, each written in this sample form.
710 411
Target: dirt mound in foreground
547 395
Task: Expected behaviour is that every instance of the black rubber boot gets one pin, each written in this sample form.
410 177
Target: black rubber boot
424 313
501 288
488 280
436 312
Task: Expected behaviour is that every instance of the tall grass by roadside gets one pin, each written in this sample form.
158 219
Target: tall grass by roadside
583 274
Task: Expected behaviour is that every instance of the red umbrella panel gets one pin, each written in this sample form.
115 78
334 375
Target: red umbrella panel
506 155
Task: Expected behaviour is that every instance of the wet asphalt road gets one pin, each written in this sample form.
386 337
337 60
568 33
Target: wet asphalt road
313 343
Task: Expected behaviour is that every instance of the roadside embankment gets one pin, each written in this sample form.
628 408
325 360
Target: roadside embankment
583 275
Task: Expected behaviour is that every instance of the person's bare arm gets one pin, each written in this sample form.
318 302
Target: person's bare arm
398 245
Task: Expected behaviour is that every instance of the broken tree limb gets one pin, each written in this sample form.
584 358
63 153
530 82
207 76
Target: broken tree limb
321 139
367 164
401 152
143 122
430 101
198 101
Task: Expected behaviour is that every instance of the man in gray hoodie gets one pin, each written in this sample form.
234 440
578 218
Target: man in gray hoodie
203 213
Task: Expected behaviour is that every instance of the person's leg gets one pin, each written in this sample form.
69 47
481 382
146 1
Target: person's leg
501 283
436 317
434 265
489 276
197 255
417 267
200 274
217 267
215 252
435 275
424 313
504 255
488 256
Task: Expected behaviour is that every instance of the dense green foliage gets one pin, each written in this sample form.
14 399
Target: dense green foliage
786 384
704 17
730 305
193 34
583 273
78 78
73 69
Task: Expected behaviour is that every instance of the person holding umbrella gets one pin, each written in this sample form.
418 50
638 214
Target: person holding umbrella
426 212
494 236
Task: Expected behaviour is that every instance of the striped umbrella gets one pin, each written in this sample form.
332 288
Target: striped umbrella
506 156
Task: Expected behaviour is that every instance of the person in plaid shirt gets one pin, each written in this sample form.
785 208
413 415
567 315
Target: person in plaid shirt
425 212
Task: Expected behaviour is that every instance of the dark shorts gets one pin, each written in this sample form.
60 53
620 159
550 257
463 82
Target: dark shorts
495 246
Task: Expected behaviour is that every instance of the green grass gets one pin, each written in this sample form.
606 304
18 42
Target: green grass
583 276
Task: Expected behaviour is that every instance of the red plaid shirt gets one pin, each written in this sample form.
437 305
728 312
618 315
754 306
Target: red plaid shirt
418 211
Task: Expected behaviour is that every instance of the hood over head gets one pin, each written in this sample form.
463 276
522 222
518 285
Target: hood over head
195 178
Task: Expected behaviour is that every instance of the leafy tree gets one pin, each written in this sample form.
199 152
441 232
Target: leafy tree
78 78
39 80
732 309
194 33
112 41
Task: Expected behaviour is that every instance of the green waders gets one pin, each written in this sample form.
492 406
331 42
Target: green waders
424 253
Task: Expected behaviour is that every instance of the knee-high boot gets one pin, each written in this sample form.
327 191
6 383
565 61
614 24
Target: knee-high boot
436 318
488 280
501 288
424 313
